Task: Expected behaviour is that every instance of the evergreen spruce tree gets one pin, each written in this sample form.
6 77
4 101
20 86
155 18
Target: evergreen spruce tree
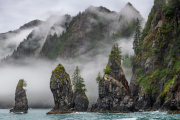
115 53
115 57
99 77
78 81
137 36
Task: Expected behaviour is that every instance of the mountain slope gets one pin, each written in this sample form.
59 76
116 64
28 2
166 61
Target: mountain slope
90 31
10 40
87 33
31 46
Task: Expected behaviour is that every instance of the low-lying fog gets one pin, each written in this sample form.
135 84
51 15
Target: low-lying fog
38 72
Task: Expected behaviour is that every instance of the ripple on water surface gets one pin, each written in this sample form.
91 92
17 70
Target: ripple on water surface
40 114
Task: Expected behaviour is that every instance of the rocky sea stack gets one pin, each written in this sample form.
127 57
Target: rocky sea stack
21 102
60 85
114 93
81 100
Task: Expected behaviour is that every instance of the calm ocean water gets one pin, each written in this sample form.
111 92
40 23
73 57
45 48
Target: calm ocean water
40 114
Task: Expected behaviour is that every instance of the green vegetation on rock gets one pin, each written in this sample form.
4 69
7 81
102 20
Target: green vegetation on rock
22 83
115 55
157 65
107 70
59 68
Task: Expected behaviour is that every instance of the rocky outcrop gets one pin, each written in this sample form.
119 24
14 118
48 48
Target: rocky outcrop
112 97
81 100
60 85
21 102
118 74
114 94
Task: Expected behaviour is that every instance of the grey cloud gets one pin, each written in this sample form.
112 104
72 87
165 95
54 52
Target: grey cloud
15 13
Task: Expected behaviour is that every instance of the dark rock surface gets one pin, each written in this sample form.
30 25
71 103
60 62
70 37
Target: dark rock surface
81 100
112 97
21 102
60 85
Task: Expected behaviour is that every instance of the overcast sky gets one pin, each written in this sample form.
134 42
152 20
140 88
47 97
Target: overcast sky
15 13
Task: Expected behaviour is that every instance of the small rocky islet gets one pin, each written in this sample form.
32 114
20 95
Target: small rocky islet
21 102
65 100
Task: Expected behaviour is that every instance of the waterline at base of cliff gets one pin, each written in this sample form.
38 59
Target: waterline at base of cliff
40 114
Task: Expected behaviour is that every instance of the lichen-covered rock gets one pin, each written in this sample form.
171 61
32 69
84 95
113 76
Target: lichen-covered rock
81 100
21 102
60 85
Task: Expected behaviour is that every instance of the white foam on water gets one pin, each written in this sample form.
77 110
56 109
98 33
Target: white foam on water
128 119
157 112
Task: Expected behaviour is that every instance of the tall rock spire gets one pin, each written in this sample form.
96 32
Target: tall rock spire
60 85
21 102
114 94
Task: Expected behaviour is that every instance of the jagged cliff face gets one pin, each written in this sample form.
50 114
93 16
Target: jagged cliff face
87 33
155 80
61 88
21 102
